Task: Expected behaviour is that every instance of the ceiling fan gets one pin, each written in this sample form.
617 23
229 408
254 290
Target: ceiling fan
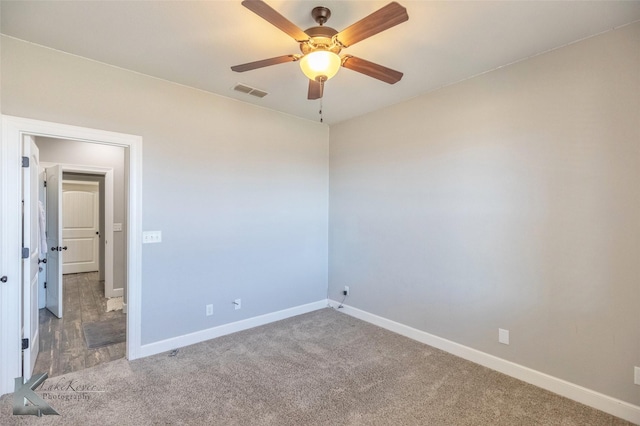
321 45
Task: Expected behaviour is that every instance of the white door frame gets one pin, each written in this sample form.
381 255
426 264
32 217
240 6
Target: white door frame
32 239
13 129
107 172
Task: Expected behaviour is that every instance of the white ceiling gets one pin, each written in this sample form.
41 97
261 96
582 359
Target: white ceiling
196 42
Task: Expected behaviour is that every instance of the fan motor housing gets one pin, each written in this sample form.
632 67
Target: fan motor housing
320 38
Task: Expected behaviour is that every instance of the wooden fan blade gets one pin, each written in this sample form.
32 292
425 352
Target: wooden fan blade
383 19
272 16
371 69
264 63
315 90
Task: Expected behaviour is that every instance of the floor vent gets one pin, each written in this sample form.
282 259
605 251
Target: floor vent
250 90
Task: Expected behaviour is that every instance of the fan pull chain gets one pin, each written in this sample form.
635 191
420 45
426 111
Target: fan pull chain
320 112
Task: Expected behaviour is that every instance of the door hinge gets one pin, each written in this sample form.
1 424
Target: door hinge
45 183
25 252
25 344
45 284
25 161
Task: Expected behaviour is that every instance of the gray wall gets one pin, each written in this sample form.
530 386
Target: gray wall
239 192
87 154
506 201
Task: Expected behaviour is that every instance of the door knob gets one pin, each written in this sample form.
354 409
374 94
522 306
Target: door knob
4 279
42 260
64 248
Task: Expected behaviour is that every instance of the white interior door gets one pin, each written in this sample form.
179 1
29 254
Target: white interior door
80 226
31 255
42 276
54 234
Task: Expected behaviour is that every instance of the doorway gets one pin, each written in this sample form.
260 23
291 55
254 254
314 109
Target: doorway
12 313
82 220
78 166
82 327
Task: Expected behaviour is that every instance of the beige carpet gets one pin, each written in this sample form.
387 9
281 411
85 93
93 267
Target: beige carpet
322 368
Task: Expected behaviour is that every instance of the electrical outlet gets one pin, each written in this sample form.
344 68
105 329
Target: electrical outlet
209 310
503 336
636 375
237 304
346 290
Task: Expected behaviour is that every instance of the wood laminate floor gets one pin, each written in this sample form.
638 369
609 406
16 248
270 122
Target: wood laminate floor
63 348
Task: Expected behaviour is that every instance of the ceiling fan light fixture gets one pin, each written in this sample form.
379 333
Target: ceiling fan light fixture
320 65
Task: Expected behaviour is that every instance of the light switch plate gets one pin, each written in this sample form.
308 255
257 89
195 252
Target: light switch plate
636 375
117 227
149 237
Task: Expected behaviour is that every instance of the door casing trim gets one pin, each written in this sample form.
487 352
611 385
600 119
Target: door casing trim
13 129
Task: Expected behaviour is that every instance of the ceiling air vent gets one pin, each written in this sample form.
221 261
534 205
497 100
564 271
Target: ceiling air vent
250 90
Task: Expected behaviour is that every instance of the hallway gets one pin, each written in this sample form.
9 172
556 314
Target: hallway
63 347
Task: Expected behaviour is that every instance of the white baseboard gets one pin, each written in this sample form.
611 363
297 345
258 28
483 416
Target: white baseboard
553 384
222 330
